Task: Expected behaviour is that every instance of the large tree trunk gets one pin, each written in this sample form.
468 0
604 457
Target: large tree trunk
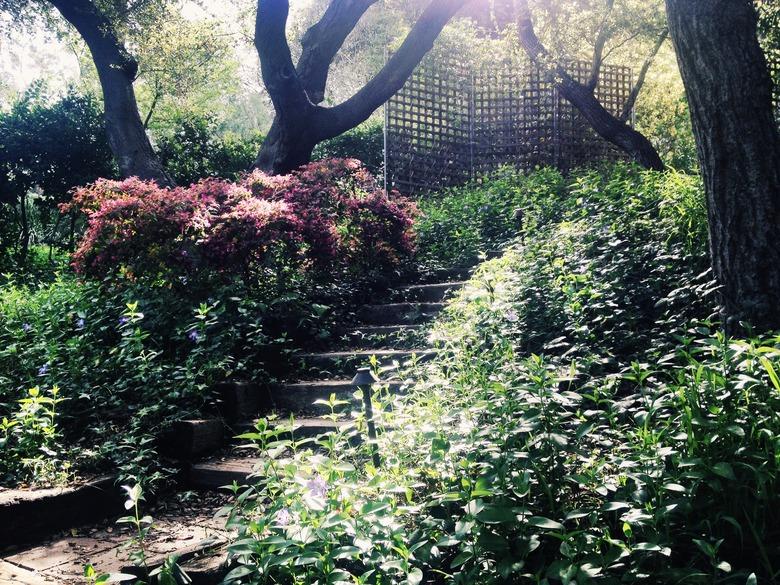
300 123
116 69
611 128
730 95
285 148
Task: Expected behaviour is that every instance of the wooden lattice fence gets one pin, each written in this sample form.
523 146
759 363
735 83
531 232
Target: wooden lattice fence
450 124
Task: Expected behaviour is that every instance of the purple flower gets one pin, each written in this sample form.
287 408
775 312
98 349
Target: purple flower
484 208
44 369
511 316
80 322
123 320
317 486
26 327
283 517
193 335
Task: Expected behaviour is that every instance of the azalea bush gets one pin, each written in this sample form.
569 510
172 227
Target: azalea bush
327 215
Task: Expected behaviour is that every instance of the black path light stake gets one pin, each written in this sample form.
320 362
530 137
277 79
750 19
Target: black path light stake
364 379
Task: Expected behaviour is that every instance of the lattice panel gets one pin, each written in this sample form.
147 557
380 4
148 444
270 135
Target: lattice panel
428 130
449 124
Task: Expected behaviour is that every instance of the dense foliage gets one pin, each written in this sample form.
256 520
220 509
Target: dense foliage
179 289
456 225
365 143
326 215
635 444
47 148
194 148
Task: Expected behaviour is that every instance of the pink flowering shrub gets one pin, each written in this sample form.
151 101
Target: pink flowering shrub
328 214
346 217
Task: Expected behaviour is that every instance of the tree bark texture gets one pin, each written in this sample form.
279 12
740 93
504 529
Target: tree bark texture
116 69
729 91
581 96
300 122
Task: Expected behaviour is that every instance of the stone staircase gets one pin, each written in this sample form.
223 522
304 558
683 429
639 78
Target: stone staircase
393 333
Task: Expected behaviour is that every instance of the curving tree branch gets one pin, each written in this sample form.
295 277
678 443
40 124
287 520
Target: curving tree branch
323 40
581 96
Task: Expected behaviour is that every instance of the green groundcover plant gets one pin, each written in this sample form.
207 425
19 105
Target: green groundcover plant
584 422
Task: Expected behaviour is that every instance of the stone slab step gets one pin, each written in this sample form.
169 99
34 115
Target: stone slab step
430 293
28 515
385 336
188 439
212 475
237 400
190 533
300 396
398 313
208 568
348 361
10 574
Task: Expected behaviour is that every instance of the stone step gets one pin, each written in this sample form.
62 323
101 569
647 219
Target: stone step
188 532
27 515
300 396
398 313
188 439
212 475
430 293
346 362
237 400
385 336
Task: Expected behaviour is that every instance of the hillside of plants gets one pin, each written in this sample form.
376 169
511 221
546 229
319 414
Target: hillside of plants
585 422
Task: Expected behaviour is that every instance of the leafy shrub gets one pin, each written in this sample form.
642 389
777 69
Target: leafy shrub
195 148
126 363
328 213
346 217
640 447
180 289
457 224
48 147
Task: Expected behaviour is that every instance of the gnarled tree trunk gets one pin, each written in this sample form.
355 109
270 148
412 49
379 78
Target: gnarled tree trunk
300 122
729 90
116 69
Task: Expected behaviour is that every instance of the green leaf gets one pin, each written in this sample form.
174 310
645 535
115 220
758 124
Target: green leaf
771 371
374 507
482 488
414 577
496 515
345 552
490 541
306 559
462 558
724 470
546 523
239 572
614 506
